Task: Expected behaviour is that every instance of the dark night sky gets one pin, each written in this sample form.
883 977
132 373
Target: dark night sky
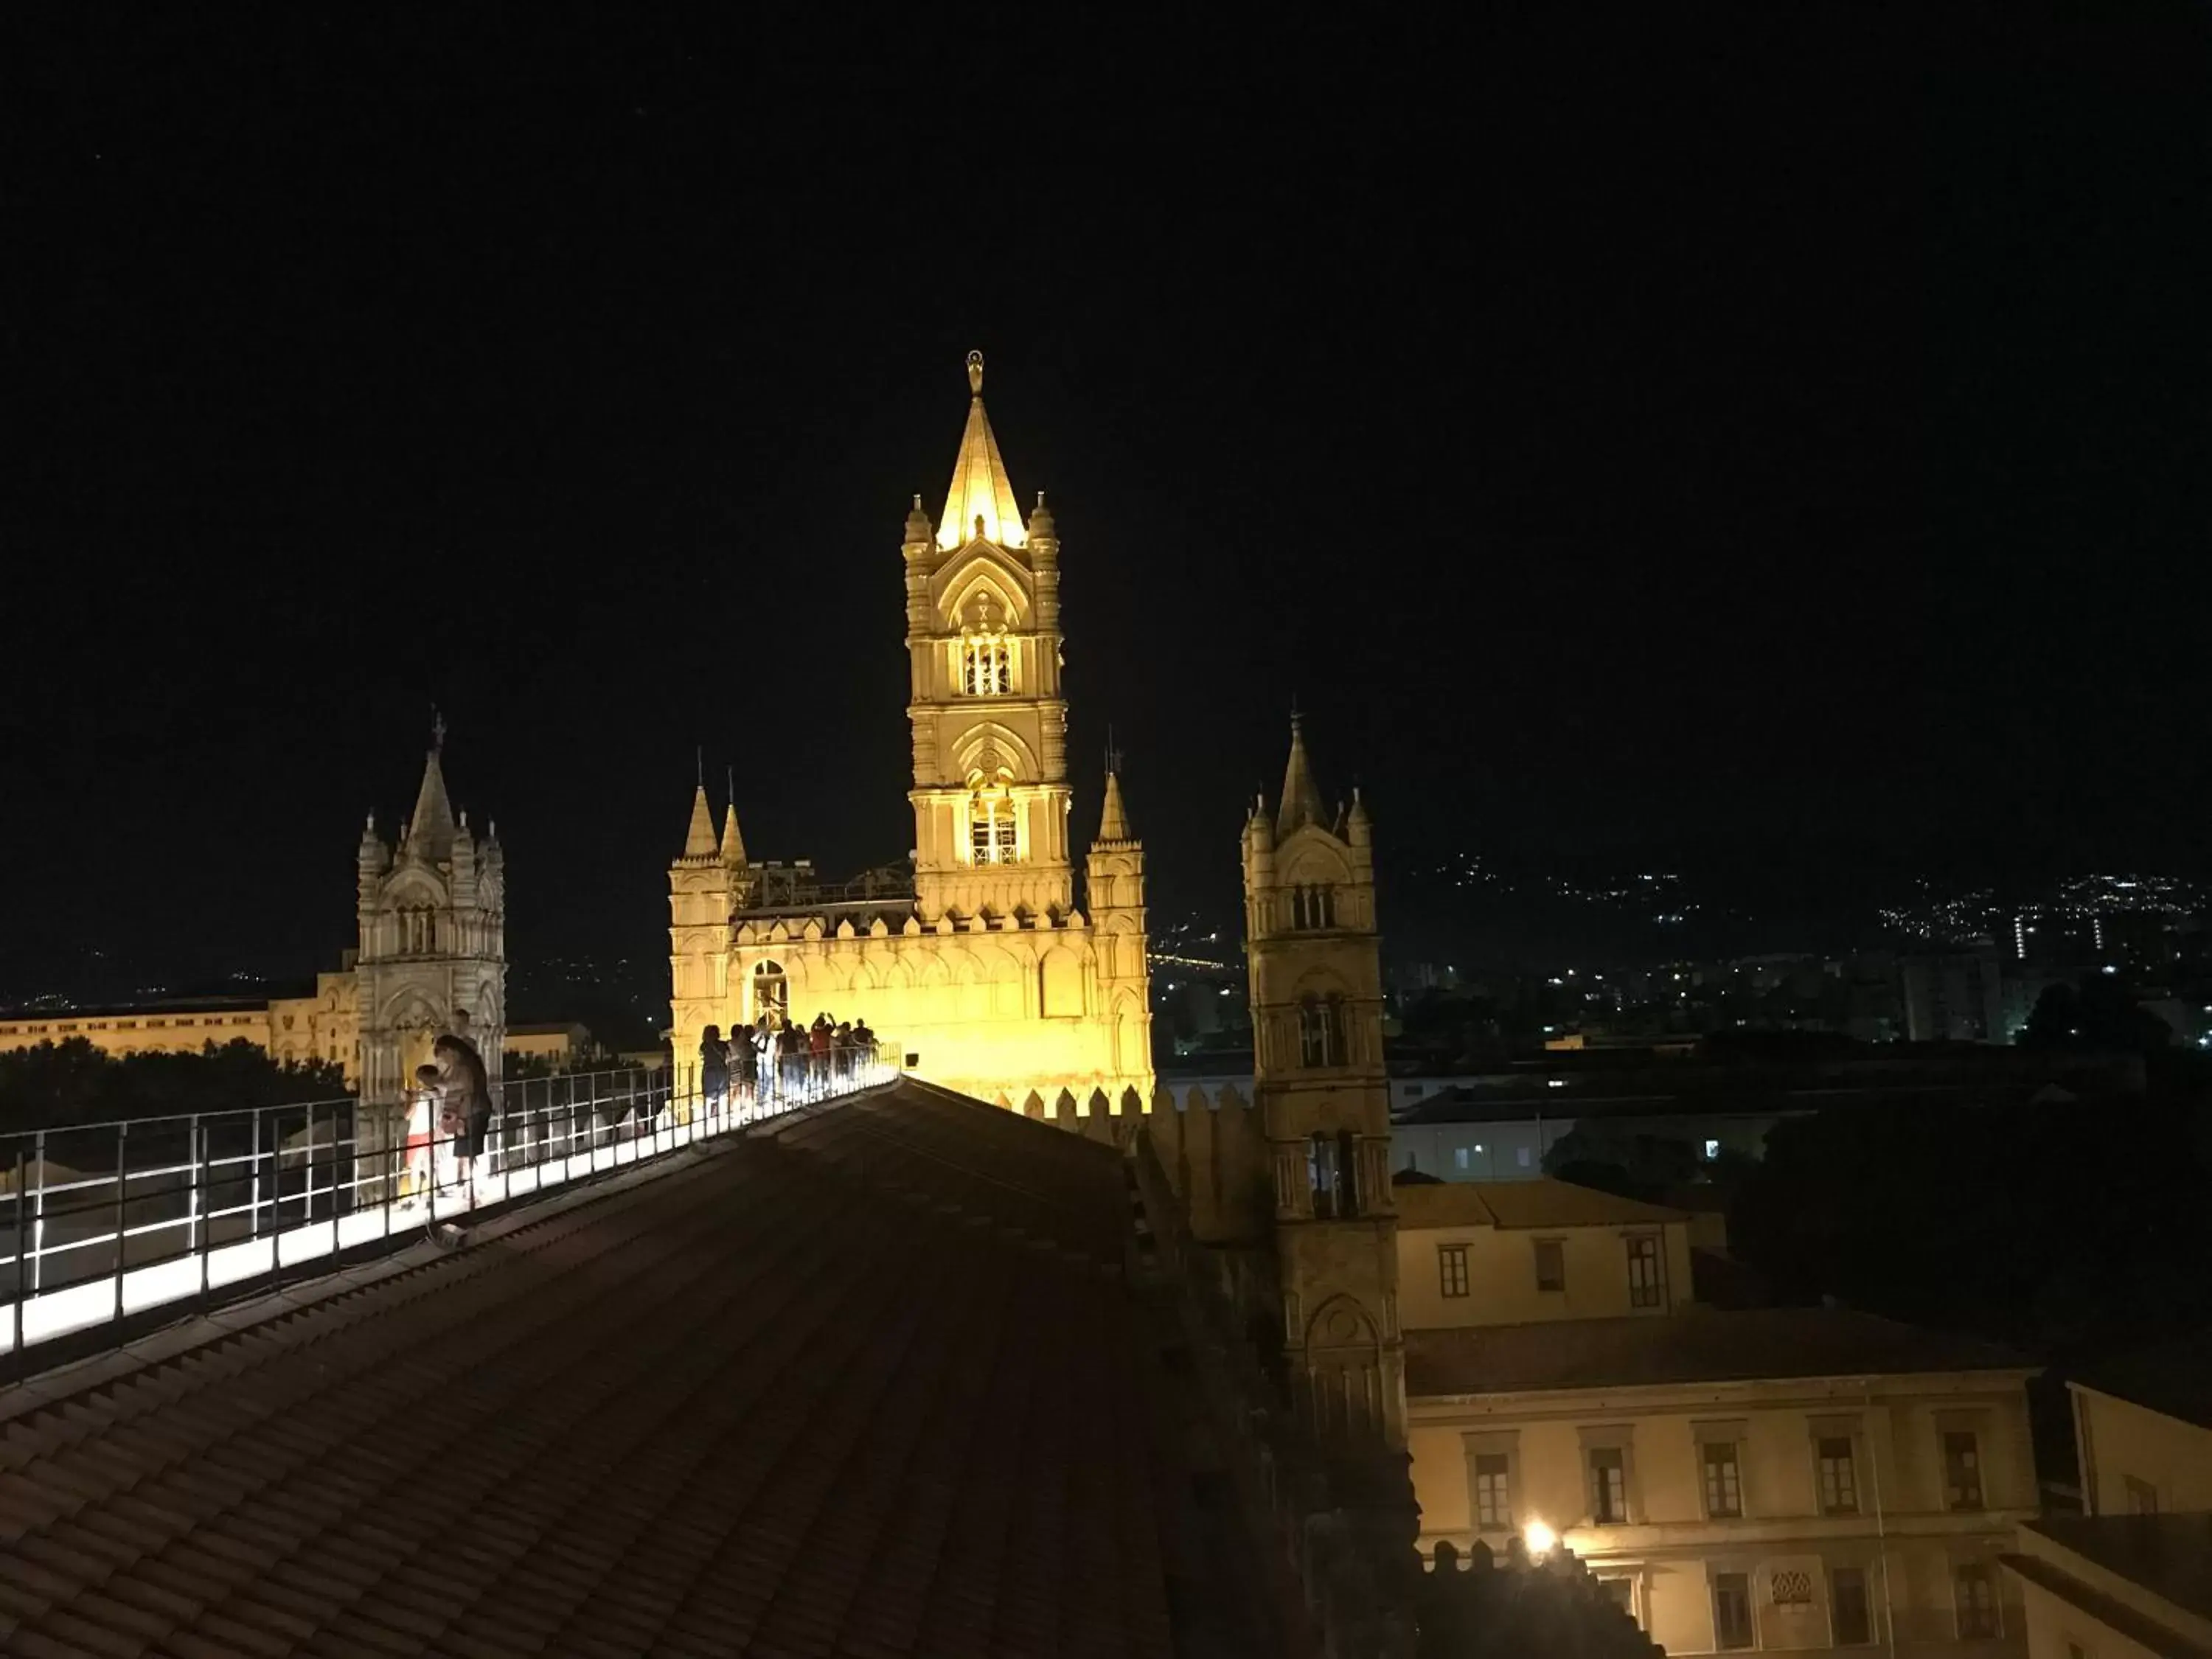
1777 438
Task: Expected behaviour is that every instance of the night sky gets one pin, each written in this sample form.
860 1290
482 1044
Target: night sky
1775 441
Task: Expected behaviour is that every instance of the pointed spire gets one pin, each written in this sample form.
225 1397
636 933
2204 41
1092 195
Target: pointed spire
1302 802
699 841
734 843
980 501
1114 817
430 832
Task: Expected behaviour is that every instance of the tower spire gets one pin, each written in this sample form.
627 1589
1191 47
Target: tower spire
430 832
1302 803
699 840
980 502
734 843
1113 816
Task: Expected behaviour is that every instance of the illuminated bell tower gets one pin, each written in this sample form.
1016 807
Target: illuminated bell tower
990 725
1323 1098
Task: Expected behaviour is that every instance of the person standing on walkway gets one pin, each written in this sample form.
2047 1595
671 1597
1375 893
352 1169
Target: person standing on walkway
713 1069
744 1067
467 1094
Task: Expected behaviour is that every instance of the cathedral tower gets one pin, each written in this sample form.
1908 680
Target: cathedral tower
974 964
433 952
990 725
1323 1098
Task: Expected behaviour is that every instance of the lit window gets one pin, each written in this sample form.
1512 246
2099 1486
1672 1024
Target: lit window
771 992
1461 1159
1712 1150
986 666
1839 1485
993 835
1451 1269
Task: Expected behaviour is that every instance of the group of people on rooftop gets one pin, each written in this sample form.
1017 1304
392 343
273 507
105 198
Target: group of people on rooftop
778 1059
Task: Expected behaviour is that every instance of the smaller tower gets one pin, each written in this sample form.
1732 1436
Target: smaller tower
701 883
1323 1097
1114 882
433 919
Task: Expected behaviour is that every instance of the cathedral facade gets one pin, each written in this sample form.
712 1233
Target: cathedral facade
982 972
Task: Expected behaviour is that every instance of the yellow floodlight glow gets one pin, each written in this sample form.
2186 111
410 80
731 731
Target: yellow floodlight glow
1540 1538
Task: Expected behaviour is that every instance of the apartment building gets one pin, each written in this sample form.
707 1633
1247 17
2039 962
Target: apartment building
1811 1479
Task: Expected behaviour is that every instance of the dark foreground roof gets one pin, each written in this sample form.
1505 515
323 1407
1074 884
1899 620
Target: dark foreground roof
1691 1347
872 1384
2168 1555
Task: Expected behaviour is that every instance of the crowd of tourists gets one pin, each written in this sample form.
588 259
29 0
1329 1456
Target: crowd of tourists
779 1060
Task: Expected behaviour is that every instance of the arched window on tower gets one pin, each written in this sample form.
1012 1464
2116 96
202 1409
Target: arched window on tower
1313 906
994 825
1321 1031
771 994
1332 1174
986 666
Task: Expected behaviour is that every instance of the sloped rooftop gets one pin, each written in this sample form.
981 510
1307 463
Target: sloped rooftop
871 1381
1690 1347
1541 1203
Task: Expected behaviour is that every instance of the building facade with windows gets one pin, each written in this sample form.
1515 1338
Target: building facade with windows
1803 1479
984 973
1537 1250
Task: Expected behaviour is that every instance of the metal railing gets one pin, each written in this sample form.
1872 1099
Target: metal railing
102 1221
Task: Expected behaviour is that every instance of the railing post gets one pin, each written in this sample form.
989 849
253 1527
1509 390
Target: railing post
200 1172
253 1198
122 1184
192 1205
39 1225
335 1206
15 1336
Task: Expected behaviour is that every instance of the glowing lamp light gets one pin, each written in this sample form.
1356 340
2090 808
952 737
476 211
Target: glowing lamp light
1540 1538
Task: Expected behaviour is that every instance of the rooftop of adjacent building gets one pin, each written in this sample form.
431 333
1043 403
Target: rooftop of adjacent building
2175 1378
1698 1346
2167 1556
872 1378
1539 1203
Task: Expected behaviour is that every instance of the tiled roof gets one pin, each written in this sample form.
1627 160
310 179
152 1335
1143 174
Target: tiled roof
1691 1347
872 1384
1541 1203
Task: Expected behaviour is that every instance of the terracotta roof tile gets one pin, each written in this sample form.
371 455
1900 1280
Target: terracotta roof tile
868 1382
